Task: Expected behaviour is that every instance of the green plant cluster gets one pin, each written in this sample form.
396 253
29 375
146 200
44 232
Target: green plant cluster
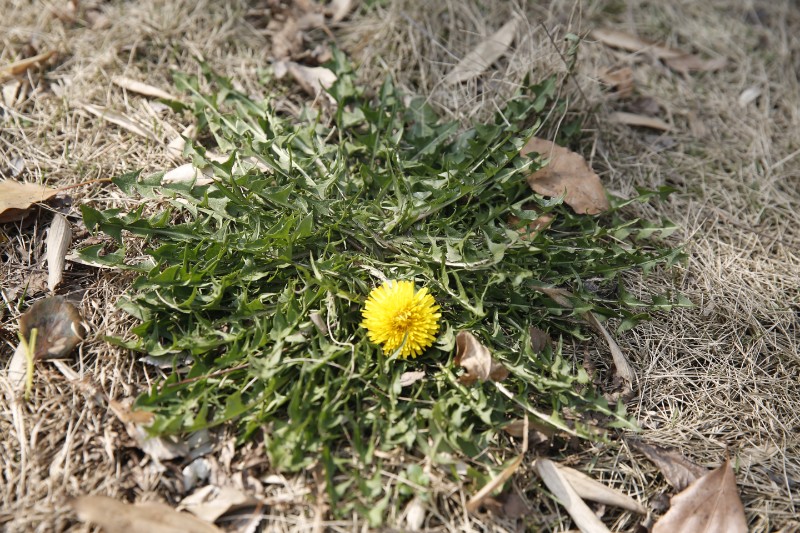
260 276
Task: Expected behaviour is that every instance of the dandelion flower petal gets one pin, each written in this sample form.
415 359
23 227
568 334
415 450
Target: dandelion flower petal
398 317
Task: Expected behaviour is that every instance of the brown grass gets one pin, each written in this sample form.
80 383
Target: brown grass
723 378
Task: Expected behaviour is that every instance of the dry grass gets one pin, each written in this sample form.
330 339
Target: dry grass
721 378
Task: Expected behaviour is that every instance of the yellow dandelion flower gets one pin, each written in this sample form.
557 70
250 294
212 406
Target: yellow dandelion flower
396 315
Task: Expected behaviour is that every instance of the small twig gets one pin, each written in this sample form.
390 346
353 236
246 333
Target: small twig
81 184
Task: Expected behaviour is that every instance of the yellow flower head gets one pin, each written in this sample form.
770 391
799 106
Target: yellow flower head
395 315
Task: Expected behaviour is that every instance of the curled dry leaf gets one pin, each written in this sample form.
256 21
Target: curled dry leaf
482 56
188 173
623 368
620 79
679 471
58 325
211 502
476 360
16 198
415 514
632 119
632 43
568 174
313 80
711 505
141 88
749 96
530 231
149 517
590 489
18 67
58 240
677 60
121 120
540 339
409 378
338 9
581 514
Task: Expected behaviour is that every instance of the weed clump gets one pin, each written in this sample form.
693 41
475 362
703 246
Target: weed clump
261 276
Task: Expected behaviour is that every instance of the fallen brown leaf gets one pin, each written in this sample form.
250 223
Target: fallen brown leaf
476 360
620 79
58 326
531 230
338 9
631 119
675 59
141 88
623 368
540 339
211 502
59 238
16 198
313 80
679 471
591 489
482 56
409 378
632 43
149 517
555 480
711 505
569 174
121 120
18 67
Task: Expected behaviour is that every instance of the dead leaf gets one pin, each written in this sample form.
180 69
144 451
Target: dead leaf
569 174
18 67
581 514
711 505
415 514
58 325
189 173
148 517
409 378
121 120
58 240
313 80
338 9
679 471
141 88
677 60
540 339
16 198
749 96
632 43
482 56
476 360
477 500
590 489
691 63
287 41
623 368
631 119
537 433
620 79
211 502
530 231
